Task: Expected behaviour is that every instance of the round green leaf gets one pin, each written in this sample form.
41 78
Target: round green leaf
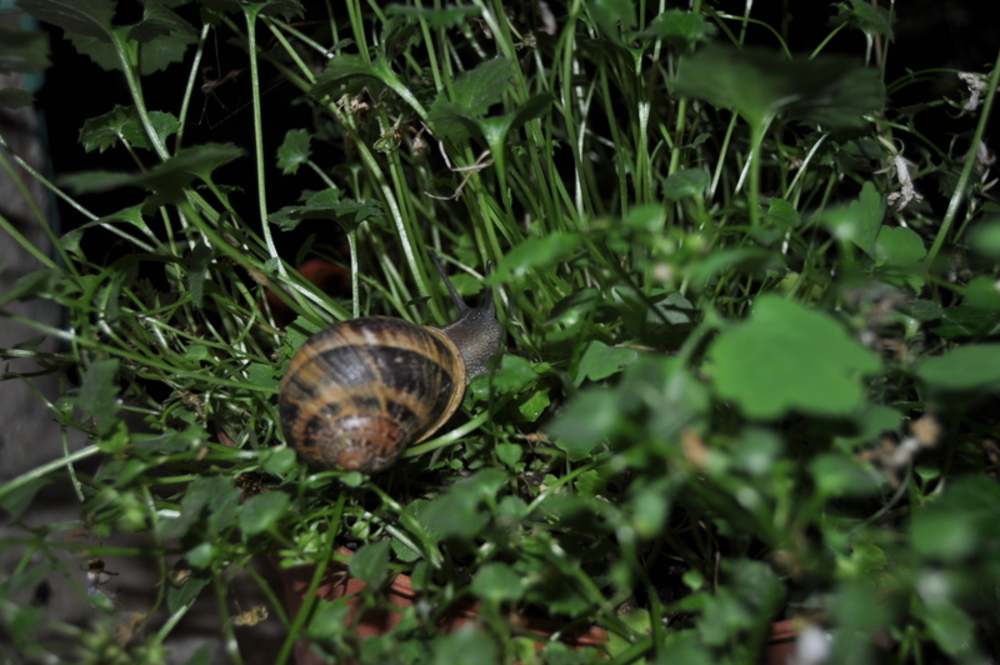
790 358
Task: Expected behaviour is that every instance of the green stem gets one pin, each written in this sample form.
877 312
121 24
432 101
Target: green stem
250 13
970 161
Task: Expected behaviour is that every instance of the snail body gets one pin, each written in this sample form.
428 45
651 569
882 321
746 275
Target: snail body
357 393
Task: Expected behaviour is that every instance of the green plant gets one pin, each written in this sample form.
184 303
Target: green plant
750 373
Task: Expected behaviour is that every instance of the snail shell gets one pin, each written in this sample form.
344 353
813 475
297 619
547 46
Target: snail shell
356 394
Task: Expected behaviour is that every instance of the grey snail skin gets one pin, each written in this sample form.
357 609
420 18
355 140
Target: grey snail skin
357 393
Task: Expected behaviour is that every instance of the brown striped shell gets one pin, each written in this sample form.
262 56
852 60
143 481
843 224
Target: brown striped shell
357 393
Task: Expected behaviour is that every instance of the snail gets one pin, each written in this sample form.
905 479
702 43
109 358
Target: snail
357 393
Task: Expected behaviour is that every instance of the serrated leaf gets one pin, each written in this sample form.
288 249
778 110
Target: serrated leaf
326 204
872 19
438 17
294 151
786 358
164 124
679 28
759 85
87 18
167 178
343 74
477 90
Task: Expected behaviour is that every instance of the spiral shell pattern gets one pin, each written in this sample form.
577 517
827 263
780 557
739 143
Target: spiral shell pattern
359 392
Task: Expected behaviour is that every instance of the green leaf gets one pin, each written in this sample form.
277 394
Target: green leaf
898 246
87 18
970 367
98 393
166 179
477 90
830 90
497 582
164 125
688 183
184 594
588 420
679 28
872 19
790 358
961 523
28 287
840 476
326 204
23 51
294 151
614 18
984 238
344 74
444 17
783 214
599 361
466 646
370 564
534 253
262 512
859 221
983 293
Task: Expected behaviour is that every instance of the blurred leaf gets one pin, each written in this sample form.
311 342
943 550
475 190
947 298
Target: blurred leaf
599 361
262 512
23 51
649 217
830 90
15 98
971 367
984 238
28 287
688 183
294 151
466 646
783 214
898 246
788 357
16 501
983 293
370 564
99 393
534 253
961 523
497 582
839 476
586 421
966 321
